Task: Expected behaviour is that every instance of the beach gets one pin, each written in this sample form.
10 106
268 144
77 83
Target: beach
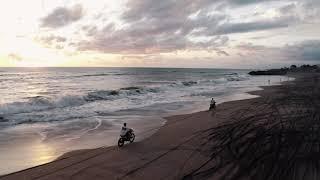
273 135
52 111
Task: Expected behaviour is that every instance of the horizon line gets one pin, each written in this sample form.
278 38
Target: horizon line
34 67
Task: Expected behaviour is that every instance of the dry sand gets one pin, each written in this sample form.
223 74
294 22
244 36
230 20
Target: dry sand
275 136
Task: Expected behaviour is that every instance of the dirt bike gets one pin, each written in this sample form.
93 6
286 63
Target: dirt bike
212 106
129 136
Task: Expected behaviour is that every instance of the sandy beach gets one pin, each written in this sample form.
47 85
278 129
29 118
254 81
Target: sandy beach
273 136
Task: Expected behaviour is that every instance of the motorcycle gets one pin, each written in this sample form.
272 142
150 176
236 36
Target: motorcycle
212 106
129 136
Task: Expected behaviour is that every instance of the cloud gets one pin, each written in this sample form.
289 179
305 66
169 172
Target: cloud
146 41
155 27
307 11
290 8
170 8
151 35
230 28
221 52
152 26
303 52
311 10
15 57
62 16
306 50
90 30
149 27
312 3
52 39
245 2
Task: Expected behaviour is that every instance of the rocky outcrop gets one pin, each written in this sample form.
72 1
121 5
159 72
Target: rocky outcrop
269 72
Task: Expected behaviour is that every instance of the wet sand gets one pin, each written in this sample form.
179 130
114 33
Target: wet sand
275 136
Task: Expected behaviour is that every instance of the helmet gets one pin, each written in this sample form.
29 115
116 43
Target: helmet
124 124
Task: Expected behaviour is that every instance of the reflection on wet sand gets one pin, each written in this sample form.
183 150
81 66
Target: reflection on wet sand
42 153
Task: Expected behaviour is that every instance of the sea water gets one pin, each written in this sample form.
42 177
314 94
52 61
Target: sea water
45 112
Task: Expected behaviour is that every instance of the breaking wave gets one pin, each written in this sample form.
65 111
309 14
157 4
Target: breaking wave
40 103
103 74
236 77
189 83
121 93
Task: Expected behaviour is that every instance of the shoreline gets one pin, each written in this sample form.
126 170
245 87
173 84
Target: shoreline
169 121
37 137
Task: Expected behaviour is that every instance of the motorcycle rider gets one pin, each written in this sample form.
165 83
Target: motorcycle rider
126 134
124 130
212 104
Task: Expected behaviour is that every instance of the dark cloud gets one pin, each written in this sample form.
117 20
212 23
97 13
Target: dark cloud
290 8
306 50
52 39
307 11
210 45
90 30
62 16
246 2
230 28
174 9
221 52
143 39
165 9
153 34
303 52
152 26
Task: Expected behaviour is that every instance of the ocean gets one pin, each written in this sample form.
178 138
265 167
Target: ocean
45 112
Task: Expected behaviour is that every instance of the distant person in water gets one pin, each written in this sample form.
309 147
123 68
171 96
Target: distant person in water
212 104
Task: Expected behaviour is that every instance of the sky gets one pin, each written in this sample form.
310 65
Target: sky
159 33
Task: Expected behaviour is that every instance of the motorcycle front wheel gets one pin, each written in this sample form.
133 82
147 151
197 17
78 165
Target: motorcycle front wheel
132 138
120 142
